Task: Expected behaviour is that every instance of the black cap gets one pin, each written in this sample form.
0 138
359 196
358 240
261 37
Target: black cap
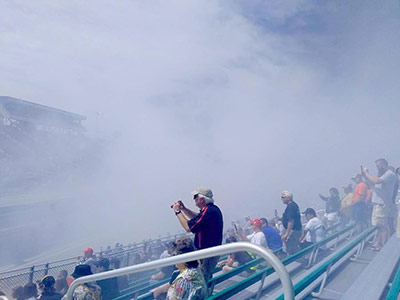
81 270
309 211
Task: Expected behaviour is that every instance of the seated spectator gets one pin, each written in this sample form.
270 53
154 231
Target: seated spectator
123 279
345 204
109 286
89 259
86 291
235 259
274 241
48 290
257 237
165 272
61 282
160 293
189 284
314 229
18 293
30 291
332 207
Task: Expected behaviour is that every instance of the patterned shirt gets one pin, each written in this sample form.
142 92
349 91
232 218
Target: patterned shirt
87 291
189 285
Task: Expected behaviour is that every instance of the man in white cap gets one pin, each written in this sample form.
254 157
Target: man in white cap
206 225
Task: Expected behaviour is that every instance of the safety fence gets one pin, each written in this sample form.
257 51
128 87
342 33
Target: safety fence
20 277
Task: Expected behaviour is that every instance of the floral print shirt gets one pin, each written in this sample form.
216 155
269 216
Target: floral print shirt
189 284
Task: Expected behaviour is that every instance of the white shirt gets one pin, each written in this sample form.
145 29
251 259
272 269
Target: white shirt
316 230
258 238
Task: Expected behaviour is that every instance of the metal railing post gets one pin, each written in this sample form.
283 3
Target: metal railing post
32 271
46 269
267 254
127 258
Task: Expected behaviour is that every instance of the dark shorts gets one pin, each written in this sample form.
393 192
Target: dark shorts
359 212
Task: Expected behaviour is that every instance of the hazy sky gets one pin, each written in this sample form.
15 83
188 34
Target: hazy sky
246 97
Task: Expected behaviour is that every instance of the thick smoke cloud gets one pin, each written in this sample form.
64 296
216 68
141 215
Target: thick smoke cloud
247 98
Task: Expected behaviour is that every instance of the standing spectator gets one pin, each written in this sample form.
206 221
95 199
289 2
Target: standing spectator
109 286
85 291
61 282
89 259
314 228
257 237
123 279
189 284
346 204
359 208
332 206
206 225
382 199
292 222
30 291
48 290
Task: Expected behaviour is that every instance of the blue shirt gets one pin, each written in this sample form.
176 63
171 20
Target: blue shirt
273 237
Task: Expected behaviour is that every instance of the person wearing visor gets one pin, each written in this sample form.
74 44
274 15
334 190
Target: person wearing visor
207 225
48 290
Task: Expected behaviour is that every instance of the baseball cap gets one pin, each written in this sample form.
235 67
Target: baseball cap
206 192
256 222
309 211
88 250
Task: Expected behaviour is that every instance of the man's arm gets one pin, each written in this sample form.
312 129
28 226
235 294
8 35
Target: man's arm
242 236
181 217
288 230
160 275
369 177
190 214
303 235
323 197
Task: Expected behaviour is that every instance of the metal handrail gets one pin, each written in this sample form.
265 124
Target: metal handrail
200 254
325 267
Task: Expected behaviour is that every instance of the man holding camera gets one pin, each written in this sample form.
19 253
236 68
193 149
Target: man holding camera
207 225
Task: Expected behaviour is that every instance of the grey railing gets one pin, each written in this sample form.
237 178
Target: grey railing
214 251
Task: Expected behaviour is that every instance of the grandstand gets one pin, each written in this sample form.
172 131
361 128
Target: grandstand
44 155
33 143
339 267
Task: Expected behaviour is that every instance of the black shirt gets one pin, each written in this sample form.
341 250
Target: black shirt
332 204
109 288
207 227
292 212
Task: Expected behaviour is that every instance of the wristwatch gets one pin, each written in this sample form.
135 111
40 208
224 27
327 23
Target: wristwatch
177 212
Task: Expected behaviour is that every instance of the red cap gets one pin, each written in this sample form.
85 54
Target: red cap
88 250
256 222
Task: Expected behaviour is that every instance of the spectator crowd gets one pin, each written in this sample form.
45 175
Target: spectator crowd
370 200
